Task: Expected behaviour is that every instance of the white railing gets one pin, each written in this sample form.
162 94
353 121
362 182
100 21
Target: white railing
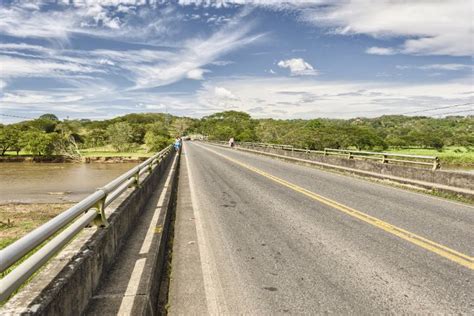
66 225
383 157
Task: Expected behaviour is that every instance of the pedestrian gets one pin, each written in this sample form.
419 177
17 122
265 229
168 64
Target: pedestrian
231 142
177 143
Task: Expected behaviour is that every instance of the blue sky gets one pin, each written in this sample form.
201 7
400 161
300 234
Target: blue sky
298 59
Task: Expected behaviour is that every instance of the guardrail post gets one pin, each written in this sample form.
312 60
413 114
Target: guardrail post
384 159
136 176
150 166
436 164
325 152
100 220
349 155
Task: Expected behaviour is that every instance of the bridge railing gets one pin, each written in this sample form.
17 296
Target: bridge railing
383 157
66 225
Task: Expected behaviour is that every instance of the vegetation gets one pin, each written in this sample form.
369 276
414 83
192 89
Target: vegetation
17 220
129 135
450 138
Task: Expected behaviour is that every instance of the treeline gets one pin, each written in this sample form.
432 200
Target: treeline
379 133
47 135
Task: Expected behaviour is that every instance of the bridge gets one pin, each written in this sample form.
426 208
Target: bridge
254 230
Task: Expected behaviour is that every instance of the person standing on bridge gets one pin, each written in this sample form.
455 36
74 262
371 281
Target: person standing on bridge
231 142
177 143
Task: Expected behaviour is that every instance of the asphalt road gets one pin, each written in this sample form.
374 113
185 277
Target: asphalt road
262 236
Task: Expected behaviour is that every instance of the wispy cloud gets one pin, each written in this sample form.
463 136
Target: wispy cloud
106 19
433 27
193 55
298 67
20 67
438 67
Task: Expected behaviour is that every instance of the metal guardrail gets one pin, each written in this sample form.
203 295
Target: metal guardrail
69 223
383 157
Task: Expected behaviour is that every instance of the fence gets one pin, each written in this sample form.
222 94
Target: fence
67 225
383 157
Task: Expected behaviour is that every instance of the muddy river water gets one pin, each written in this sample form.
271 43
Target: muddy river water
55 182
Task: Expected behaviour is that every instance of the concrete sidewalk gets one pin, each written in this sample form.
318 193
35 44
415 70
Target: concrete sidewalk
186 294
131 286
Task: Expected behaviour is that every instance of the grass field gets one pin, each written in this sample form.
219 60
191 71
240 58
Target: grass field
449 156
107 151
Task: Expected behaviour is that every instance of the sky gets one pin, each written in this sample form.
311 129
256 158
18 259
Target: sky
279 59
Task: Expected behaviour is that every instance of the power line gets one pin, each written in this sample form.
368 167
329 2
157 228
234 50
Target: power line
454 112
438 108
16 116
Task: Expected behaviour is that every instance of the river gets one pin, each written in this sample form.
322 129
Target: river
54 182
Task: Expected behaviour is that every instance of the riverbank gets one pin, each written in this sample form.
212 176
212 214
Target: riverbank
18 219
83 159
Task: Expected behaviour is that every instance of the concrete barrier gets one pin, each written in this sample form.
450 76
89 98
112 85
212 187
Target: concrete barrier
457 183
67 283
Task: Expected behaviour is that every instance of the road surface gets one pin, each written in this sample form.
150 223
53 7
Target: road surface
255 235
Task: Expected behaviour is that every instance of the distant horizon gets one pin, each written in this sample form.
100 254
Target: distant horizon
269 58
23 119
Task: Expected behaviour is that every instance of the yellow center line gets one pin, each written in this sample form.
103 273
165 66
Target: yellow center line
427 244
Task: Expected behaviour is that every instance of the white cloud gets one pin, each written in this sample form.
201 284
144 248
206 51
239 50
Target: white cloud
223 93
301 97
146 68
94 18
434 27
105 61
448 67
196 74
442 67
297 67
222 62
381 51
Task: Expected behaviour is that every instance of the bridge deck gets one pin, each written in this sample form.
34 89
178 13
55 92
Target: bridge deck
266 237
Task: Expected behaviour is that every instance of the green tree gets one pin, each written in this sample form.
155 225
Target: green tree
120 136
157 137
50 117
95 138
43 124
9 138
39 143
223 125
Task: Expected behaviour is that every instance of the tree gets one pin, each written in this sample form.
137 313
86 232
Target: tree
43 124
9 138
223 125
96 138
50 117
39 143
181 125
157 137
120 136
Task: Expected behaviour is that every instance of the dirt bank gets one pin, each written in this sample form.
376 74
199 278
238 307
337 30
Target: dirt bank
17 219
